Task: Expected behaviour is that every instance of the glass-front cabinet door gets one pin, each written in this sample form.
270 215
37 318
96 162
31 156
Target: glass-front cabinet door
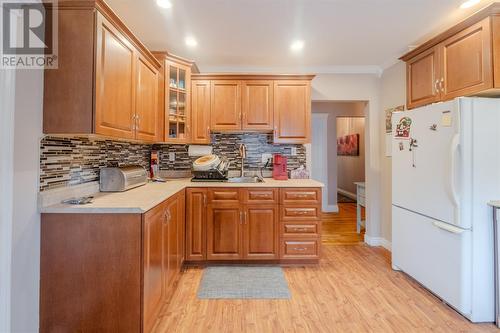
177 115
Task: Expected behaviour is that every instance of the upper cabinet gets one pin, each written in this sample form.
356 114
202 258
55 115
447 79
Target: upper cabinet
200 105
225 98
107 81
175 97
243 102
462 61
292 111
257 105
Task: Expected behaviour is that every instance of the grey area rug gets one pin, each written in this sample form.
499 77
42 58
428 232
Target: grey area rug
243 282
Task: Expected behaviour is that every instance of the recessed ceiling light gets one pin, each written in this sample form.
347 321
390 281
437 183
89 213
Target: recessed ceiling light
191 42
164 3
297 45
469 3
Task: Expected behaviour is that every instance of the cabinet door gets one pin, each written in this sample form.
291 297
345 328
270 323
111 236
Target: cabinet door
466 60
173 251
181 227
177 102
147 112
115 82
422 79
154 222
196 212
261 232
292 111
257 105
200 112
224 226
225 111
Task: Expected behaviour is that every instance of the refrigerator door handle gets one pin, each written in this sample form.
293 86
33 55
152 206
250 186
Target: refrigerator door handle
455 144
448 227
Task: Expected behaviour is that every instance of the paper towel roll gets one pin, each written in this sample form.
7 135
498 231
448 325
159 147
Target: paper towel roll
195 150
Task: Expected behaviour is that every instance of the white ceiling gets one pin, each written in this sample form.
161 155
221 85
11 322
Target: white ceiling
255 35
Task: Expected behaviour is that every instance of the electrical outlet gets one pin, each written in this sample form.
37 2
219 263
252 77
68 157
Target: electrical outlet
293 151
266 157
171 156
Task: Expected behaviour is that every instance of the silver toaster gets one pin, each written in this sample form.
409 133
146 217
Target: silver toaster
119 179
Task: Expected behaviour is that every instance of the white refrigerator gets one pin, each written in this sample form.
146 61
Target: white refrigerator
445 169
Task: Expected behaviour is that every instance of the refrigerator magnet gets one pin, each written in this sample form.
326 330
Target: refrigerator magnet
446 119
401 146
403 128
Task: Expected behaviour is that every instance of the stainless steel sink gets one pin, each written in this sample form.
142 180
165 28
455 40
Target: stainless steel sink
245 180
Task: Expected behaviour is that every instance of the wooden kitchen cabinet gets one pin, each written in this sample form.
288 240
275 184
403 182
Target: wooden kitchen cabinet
175 97
200 106
146 109
257 105
462 61
224 232
245 102
423 75
292 111
126 266
260 232
107 81
225 109
155 267
466 61
196 214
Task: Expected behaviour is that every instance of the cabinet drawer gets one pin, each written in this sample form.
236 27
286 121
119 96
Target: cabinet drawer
224 195
300 212
301 196
297 249
261 195
295 228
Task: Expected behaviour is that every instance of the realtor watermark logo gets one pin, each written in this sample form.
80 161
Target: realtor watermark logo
29 34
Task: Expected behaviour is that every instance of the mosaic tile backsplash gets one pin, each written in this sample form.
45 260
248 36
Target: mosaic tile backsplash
225 144
77 160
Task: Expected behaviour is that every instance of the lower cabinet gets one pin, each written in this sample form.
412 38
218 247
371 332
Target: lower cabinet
109 272
244 224
260 231
224 232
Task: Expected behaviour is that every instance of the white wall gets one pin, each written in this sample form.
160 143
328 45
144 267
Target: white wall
360 87
319 156
25 217
393 93
7 85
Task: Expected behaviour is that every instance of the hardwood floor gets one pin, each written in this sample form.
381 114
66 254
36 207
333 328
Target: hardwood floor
353 289
340 228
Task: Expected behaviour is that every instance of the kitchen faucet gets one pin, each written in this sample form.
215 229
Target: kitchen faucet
243 155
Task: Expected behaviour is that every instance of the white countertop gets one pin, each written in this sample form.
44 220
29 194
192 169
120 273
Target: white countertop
495 204
143 198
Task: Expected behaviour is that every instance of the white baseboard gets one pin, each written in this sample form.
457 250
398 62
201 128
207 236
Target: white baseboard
331 209
347 193
378 241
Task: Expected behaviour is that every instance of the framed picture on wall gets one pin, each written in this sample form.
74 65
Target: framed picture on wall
348 145
388 128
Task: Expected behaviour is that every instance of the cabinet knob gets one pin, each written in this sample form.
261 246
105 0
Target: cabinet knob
441 84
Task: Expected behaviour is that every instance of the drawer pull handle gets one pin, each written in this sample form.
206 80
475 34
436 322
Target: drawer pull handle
302 212
300 229
299 248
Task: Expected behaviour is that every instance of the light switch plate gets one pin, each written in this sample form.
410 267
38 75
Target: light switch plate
171 157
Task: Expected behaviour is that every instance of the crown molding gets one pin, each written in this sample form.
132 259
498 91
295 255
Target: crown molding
364 69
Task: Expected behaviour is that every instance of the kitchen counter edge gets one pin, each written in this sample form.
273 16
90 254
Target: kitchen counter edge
144 198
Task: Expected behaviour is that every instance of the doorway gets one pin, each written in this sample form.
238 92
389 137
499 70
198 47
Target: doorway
338 161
